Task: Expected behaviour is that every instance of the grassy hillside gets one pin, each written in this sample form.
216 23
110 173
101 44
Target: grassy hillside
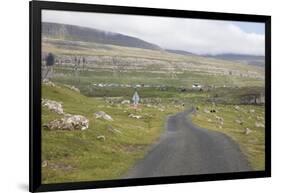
164 82
233 121
79 155
144 59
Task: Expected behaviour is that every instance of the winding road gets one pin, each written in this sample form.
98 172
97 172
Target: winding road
185 149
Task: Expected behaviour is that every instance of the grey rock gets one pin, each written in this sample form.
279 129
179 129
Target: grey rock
101 137
72 88
125 102
248 131
47 82
135 116
72 122
103 115
257 124
53 106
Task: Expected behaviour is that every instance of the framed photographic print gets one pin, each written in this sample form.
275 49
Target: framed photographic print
125 96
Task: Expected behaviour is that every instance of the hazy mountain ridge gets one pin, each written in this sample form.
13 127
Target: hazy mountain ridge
181 52
77 33
85 34
242 58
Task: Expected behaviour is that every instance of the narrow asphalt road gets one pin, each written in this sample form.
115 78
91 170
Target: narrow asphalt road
186 149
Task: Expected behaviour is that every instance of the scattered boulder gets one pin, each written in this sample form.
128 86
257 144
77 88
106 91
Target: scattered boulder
103 115
116 131
125 102
44 164
240 122
69 122
237 107
72 88
101 137
257 124
113 100
206 111
252 110
248 131
135 116
219 118
53 106
213 111
48 83
113 130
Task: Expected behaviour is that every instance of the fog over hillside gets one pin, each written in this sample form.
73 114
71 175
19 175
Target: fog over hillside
247 59
71 32
192 35
85 34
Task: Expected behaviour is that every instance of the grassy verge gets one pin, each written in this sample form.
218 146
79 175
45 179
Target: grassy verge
235 121
79 155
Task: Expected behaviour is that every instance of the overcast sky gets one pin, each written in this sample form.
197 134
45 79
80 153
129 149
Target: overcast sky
193 35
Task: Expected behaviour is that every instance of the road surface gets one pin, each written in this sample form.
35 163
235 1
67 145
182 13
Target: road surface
186 149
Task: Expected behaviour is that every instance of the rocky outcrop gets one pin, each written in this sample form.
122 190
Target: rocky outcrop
103 115
54 106
247 131
257 124
72 88
135 116
69 122
47 82
101 137
125 102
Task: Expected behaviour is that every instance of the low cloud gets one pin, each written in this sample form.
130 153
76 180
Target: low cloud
194 35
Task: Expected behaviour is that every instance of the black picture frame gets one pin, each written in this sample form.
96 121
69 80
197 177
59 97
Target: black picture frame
35 95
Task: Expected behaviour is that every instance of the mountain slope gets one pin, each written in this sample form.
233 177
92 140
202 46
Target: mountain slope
181 52
247 59
77 33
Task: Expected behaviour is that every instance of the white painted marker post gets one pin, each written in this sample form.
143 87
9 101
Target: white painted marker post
136 99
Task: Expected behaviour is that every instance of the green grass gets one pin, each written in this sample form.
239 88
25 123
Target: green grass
253 144
184 79
79 156
192 67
